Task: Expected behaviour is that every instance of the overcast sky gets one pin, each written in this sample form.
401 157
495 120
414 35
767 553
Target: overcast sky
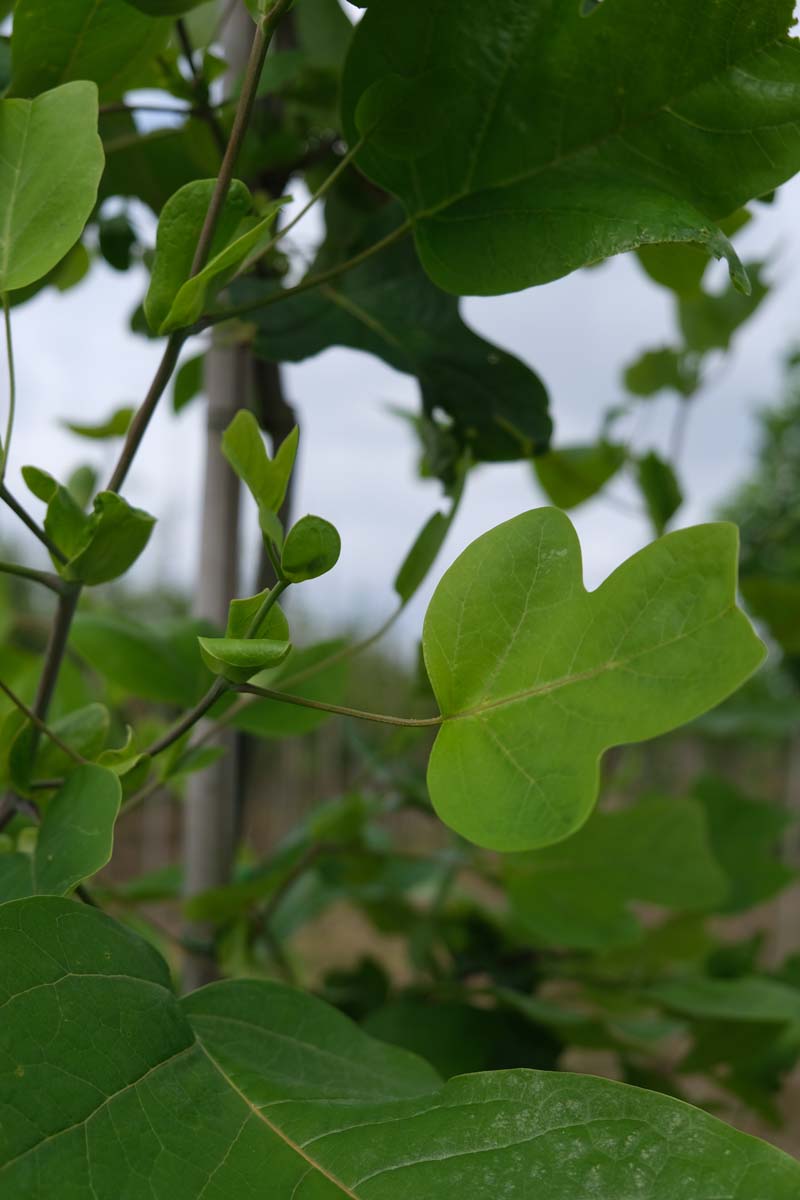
77 360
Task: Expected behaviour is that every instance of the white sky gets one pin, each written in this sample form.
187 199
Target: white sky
77 360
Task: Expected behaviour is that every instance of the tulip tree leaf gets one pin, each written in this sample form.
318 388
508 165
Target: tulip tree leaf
242 613
105 41
536 677
164 8
389 308
179 228
50 167
238 659
709 320
660 488
267 479
139 658
190 302
75 838
113 427
312 548
661 370
573 474
579 893
253 1084
568 139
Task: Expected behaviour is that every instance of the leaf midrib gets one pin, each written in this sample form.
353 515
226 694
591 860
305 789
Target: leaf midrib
554 685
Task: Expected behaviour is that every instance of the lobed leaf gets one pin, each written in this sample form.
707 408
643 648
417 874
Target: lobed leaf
267 479
247 1086
571 139
536 677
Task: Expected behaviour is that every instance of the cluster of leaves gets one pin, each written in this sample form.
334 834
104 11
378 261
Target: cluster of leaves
456 157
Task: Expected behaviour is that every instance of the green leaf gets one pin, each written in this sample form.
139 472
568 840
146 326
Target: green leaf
105 41
114 537
116 240
113 427
776 602
164 8
190 302
254 1086
140 658
311 549
75 838
301 674
709 320
750 998
569 139
579 894
50 166
660 489
154 166
389 308
266 479
178 233
238 659
681 268
573 474
188 382
536 677
241 614
745 837
661 370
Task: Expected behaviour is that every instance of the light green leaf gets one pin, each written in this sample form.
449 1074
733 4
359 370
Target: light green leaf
238 659
51 160
105 41
418 562
75 839
242 612
311 549
572 139
750 998
147 661
115 426
266 478
256 1087
573 474
579 894
302 674
660 488
190 302
536 677
388 307
661 370
179 228
114 537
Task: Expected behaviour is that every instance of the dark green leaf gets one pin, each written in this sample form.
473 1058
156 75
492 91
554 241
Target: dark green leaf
105 41
389 308
748 999
580 893
681 268
253 1085
164 8
710 319
115 426
188 382
117 239
573 139
51 165
536 677
660 489
311 549
153 167
74 841
776 602
573 474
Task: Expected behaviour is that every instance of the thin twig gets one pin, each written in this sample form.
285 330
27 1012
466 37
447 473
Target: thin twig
12 386
188 719
202 108
337 709
46 578
56 648
27 520
139 424
41 725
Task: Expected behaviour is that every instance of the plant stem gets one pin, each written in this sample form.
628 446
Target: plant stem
139 424
305 285
40 725
266 606
46 578
12 386
188 719
381 718
28 520
56 647
264 32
